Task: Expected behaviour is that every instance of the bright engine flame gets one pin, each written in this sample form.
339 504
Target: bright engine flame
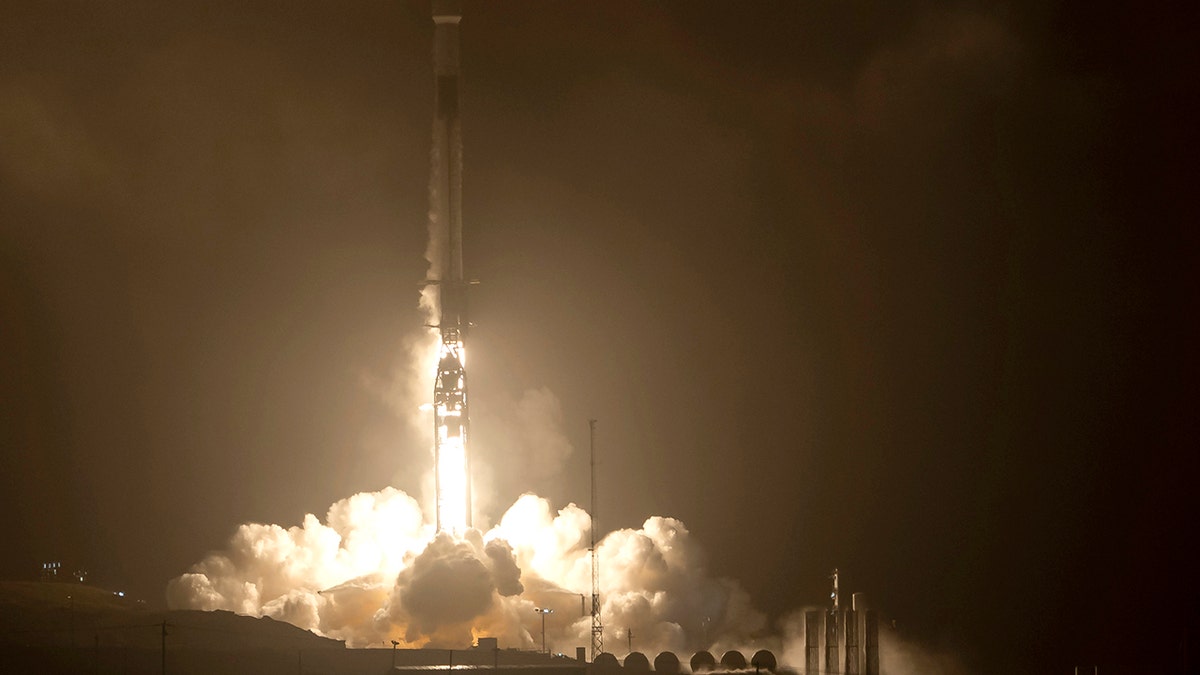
450 442
452 483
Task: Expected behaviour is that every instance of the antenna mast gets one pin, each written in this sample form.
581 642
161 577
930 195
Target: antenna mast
835 596
597 626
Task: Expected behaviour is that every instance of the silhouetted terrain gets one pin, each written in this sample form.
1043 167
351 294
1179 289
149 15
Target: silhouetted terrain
71 628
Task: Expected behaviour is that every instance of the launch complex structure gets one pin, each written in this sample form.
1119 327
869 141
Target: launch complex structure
850 636
451 421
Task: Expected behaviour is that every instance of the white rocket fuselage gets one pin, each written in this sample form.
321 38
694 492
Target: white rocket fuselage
451 421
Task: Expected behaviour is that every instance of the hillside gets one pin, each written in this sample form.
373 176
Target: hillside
56 627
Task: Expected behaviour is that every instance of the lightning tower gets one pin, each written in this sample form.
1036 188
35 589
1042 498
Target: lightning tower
597 625
452 457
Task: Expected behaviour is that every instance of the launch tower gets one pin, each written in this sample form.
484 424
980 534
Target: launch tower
452 457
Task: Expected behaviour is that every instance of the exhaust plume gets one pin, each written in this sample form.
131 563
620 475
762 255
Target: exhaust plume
375 571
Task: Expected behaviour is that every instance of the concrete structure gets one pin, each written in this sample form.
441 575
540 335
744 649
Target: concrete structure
812 640
848 637
833 626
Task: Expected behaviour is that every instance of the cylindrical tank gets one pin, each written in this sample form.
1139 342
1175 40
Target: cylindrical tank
666 662
763 660
733 660
702 661
606 661
637 662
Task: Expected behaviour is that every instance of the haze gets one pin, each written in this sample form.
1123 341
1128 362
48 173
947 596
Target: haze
898 289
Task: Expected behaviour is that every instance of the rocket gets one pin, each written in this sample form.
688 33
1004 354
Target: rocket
451 419
446 192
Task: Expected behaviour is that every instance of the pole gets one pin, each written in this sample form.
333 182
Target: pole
597 625
543 611
164 647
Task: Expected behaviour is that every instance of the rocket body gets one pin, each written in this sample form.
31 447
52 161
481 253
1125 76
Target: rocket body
447 160
451 419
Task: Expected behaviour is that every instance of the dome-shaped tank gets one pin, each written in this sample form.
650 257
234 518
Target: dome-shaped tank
702 661
637 661
733 660
666 662
763 660
606 661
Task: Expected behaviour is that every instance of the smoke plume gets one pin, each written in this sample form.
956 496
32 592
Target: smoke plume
374 570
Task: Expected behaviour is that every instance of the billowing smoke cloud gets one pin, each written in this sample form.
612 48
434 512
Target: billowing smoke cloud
444 588
505 572
375 571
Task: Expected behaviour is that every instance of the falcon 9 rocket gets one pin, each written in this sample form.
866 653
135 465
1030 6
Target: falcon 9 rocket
452 458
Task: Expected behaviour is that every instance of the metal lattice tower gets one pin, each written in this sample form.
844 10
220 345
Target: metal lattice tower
597 625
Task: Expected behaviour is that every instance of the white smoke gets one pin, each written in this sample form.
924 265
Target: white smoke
375 571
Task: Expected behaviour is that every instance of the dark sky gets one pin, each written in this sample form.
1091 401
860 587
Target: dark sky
904 288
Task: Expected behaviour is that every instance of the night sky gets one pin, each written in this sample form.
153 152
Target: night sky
902 288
